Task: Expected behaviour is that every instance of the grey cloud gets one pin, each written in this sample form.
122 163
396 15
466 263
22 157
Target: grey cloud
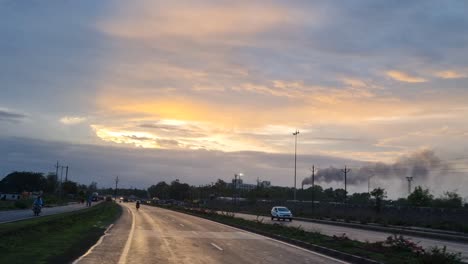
426 28
337 139
141 167
50 53
10 116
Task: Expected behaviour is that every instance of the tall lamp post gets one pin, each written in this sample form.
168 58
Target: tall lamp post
368 183
295 160
236 184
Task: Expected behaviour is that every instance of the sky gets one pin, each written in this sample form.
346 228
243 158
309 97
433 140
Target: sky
200 90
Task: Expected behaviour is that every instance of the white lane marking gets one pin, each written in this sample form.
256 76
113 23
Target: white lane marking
181 225
216 246
123 256
268 238
106 233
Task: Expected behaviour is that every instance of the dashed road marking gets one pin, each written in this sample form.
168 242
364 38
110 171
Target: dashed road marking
216 246
182 225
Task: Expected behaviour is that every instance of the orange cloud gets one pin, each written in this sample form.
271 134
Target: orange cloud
404 77
450 74
194 20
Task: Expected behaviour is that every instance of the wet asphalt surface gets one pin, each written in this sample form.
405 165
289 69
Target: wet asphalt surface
155 235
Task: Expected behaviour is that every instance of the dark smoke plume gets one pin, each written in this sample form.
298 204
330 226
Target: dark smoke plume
418 165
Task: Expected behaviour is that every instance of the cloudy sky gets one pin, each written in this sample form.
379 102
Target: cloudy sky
199 90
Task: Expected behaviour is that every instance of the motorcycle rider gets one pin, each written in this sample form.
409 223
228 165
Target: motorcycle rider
37 204
138 204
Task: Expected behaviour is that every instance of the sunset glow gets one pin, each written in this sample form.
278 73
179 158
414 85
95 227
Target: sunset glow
362 82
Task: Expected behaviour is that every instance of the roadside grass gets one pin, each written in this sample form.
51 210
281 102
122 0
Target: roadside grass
57 238
7 205
395 250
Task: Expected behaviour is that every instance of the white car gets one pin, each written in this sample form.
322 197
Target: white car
281 212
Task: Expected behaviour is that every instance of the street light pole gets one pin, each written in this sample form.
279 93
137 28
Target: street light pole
295 161
368 183
236 184
115 190
235 189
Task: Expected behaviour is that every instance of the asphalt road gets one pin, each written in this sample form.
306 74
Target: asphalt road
155 235
363 235
15 215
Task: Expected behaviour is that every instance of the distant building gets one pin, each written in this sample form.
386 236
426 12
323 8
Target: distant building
10 196
239 184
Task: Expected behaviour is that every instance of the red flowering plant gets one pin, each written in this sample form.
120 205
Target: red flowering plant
404 244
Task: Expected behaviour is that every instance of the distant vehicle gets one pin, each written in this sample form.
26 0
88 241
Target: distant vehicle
281 212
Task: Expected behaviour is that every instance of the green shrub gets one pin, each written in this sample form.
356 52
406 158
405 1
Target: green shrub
23 204
439 255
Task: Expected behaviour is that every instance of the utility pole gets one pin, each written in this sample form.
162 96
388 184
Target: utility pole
56 169
66 174
295 160
56 173
115 191
61 181
368 184
345 171
410 179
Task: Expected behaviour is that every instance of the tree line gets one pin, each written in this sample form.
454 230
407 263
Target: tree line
419 197
18 182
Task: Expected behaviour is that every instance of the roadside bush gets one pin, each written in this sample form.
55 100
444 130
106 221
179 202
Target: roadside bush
23 204
50 200
403 244
439 255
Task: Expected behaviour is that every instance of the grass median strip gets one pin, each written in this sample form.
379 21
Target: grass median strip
395 249
55 239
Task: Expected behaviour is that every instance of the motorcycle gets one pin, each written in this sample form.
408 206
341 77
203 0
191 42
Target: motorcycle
36 210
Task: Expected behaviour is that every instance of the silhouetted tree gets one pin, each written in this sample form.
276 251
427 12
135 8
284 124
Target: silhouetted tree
70 187
160 190
92 187
52 183
23 181
449 200
179 191
420 197
379 195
